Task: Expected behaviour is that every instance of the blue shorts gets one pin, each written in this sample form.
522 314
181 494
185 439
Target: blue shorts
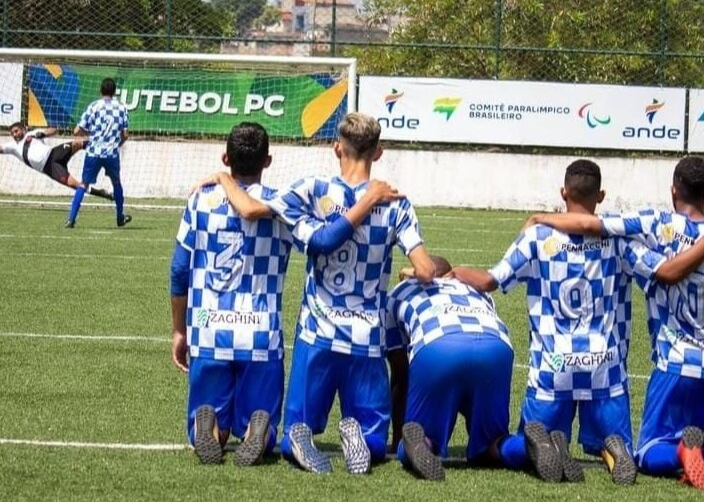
461 373
598 419
361 382
235 389
672 402
93 165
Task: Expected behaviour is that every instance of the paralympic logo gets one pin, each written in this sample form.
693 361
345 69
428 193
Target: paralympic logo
446 106
593 121
652 109
391 99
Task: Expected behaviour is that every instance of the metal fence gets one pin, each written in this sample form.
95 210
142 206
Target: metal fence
614 41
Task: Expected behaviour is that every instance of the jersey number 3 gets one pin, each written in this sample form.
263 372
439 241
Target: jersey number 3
227 273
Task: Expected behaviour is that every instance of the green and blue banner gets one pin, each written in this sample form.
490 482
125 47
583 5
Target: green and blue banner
191 102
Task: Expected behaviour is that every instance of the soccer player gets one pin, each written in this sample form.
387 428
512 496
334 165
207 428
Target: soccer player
29 147
460 361
673 417
579 303
340 334
105 121
227 283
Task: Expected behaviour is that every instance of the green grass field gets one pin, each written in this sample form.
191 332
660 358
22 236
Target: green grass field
67 378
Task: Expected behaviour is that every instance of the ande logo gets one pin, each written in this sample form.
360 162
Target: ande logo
400 122
648 131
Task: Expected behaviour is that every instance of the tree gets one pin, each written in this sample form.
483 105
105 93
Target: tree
620 41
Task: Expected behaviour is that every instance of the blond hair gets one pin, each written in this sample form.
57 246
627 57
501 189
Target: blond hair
359 134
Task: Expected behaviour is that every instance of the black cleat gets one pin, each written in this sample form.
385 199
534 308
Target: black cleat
425 463
306 454
207 444
571 470
542 453
124 221
619 461
358 458
251 450
100 192
70 224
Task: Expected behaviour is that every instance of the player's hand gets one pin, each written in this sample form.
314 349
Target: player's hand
381 191
406 273
533 220
211 179
179 349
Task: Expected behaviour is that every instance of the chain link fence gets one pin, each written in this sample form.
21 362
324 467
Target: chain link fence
611 41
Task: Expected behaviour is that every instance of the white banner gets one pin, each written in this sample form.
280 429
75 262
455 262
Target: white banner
696 120
525 113
10 93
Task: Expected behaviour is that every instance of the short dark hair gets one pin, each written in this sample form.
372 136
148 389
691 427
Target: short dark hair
247 149
108 87
442 266
688 179
16 124
583 179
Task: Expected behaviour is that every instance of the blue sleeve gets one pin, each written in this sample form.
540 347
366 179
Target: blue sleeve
180 270
328 238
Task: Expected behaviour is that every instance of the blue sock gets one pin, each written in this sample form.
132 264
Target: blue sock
271 442
512 452
402 457
119 197
377 447
660 460
76 203
286 449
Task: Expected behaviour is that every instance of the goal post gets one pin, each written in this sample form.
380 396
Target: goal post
181 108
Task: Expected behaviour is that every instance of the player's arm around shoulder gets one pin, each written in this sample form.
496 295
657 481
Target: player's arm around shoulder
570 223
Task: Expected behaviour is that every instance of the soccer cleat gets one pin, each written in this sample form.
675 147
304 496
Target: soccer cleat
207 444
571 470
425 463
619 461
70 224
358 458
543 454
689 451
255 440
124 221
305 452
100 192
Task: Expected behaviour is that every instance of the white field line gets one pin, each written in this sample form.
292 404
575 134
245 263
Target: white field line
108 446
65 204
132 338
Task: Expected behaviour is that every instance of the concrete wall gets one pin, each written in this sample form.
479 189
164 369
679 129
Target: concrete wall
461 179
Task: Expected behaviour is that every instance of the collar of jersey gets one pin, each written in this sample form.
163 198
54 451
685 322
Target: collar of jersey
355 188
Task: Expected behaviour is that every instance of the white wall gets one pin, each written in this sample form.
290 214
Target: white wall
462 179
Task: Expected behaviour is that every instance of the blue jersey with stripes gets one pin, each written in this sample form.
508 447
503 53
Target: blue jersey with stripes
676 312
579 309
345 291
236 279
418 314
104 120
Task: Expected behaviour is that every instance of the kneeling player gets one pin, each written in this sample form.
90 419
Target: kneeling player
29 147
461 361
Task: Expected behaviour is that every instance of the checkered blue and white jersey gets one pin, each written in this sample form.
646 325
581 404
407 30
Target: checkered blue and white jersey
345 291
675 313
418 314
579 309
236 282
104 120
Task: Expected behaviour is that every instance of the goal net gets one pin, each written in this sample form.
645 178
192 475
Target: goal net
181 108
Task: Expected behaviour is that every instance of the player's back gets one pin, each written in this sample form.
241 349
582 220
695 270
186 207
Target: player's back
675 312
104 120
418 314
345 291
579 306
237 277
